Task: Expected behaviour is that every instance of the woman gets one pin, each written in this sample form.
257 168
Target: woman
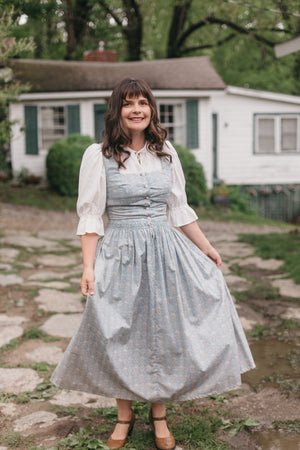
159 324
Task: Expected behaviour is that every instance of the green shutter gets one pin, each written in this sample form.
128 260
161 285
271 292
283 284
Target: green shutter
192 135
31 130
73 118
99 113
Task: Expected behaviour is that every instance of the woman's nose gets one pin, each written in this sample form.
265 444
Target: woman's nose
136 108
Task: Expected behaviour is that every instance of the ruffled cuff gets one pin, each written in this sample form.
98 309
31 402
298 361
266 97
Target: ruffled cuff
181 215
90 224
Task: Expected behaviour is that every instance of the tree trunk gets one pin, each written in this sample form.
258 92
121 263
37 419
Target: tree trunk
69 21
179 17
134 30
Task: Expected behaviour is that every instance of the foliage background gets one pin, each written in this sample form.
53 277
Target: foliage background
239 39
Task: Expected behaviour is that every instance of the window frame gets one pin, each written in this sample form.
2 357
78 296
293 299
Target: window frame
182 104
40 123
277 117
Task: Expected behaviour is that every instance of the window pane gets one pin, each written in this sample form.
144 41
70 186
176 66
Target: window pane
289 135
53 125
171 118
266 136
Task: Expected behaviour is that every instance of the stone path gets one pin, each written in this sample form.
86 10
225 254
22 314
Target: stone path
41 307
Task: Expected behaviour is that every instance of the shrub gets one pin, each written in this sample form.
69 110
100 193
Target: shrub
63 163
196 189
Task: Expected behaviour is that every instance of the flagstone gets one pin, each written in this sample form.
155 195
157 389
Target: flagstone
12 278
287 287
9 333
18 380
49 354
292 313
62 325
48 275
8 409
49 284
54 300
5 267
41 418
234 249
57 260
237 283
58 235
10 328
69 398
8 254
265 264
30 241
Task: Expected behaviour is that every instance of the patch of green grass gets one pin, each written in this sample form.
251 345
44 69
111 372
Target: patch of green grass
259 331
15 440
33 292
33 196
260 290
12 344
194 432
34 333
287 384
69 411
84 439
291 425
294 358
291 324
236 426
282 246
40 367
215 213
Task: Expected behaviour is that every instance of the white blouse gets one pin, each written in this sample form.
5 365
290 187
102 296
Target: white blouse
92 187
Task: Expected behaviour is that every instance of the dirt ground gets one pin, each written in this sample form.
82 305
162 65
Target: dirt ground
269 394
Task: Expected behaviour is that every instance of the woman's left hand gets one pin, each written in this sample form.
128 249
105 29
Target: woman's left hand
214 256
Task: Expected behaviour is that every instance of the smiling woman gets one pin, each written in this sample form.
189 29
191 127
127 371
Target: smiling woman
159 323
136 115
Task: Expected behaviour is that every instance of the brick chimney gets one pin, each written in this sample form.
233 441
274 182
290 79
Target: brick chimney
100 55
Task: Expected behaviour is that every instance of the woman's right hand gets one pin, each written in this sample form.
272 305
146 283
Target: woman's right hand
87 282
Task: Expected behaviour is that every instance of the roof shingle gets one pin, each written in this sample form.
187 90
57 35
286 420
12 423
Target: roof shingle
60 76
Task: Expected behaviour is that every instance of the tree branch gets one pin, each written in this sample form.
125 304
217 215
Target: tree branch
211 20
111 12
201 47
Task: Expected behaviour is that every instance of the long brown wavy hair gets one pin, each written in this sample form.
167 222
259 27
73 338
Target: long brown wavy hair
116 138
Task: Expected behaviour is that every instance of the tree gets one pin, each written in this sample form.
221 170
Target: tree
130 21
9 89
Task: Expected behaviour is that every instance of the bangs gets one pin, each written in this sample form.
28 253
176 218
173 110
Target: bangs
135 89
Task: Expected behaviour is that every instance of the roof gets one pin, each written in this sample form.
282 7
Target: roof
266 95
65 76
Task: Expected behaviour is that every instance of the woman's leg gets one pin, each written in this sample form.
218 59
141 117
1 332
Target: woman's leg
161 427
124 414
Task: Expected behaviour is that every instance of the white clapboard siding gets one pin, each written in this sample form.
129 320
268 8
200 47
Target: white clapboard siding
238 164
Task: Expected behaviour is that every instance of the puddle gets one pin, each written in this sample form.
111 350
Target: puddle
277 440
273 358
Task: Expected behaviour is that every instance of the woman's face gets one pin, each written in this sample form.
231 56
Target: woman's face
135 114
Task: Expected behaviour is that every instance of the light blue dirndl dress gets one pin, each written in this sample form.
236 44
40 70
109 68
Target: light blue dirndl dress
161 325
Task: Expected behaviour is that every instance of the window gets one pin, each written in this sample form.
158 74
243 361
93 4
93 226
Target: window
53 124
277 134
171 117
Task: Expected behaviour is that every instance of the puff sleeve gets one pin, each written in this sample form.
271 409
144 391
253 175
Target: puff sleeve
91 192
179 213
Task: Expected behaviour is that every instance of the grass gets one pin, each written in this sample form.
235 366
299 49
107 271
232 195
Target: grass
290 425
216 213
285 246
33 196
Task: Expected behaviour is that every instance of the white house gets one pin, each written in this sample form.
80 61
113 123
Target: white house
242 136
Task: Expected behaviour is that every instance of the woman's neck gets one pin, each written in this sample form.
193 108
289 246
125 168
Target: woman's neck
137 142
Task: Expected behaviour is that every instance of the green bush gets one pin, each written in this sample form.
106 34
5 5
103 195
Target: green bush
196 189
63 163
